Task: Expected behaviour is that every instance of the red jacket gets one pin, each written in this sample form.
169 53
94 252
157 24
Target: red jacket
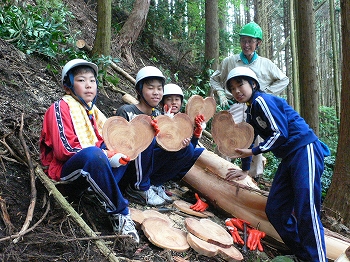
58 140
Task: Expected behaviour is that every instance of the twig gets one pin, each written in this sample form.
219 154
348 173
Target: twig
32 183
22 233
5 216
73 214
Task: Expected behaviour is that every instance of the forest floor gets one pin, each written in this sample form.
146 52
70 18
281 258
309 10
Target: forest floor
27 89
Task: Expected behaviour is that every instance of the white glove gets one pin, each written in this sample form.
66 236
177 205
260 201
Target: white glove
167 111
222 98
117 160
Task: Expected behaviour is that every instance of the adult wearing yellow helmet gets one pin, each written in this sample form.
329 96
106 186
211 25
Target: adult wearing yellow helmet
271 78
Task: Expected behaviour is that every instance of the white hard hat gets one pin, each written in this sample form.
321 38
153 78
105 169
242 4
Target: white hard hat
241 71
173 89
149 71
77 62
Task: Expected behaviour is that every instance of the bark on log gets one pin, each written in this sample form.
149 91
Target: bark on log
109 254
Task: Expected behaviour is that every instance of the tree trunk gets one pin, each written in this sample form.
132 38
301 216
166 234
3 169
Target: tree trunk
102 45
309 89
295 71
132 28
338 196
212 32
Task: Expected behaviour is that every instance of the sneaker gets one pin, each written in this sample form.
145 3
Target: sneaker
123 225
159 190
148 197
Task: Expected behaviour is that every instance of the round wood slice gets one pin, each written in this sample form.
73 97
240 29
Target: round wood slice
129 138
209 231
137 216
204 248
185 207
154 213
160 233
196 105
173 131
228 135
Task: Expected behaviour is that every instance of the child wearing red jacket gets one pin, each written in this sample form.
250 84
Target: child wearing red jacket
72 147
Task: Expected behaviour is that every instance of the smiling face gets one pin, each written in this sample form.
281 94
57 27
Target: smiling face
249 45
152 91
240 89
174 102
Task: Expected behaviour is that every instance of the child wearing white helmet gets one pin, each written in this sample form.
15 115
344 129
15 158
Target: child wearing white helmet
294 201
149 87
72 148
163 171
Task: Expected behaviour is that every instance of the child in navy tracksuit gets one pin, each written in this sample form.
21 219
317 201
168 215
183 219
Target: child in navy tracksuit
294 202
154 163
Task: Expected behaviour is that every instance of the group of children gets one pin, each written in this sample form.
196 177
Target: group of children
72 150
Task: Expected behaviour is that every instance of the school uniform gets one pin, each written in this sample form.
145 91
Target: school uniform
294 202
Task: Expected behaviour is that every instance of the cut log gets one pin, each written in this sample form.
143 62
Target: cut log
196 105
129 138
209 231
242 199
210 250
160 233
228 135
184 206
173 131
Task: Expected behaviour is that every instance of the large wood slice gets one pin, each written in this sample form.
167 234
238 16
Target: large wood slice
196 105
173 130
129 138
204 248
241 199
228 135
160 233
184 206
139 216
209 231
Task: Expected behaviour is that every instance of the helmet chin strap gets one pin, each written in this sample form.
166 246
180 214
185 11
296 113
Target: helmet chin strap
153 115
89 108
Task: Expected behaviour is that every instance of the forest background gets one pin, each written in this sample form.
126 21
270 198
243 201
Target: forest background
304 38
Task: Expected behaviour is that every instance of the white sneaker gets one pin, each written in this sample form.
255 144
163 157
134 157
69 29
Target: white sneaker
159 190
123 225
148 197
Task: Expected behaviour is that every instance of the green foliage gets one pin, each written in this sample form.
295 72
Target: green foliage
41 29
329 127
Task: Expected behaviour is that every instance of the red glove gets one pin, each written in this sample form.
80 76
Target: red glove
200 205
154 123
234 232
167 111
117 159
199 123
254 238
237 222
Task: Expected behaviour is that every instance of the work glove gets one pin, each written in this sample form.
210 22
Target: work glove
254 238
199 126
200 205
234 232
117 159
154 123
222 98
167 111
239 223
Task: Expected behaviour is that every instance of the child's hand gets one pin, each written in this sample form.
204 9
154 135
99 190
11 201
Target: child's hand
244 152
154 123
167 111
199 126
118 160
236 174
186 142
